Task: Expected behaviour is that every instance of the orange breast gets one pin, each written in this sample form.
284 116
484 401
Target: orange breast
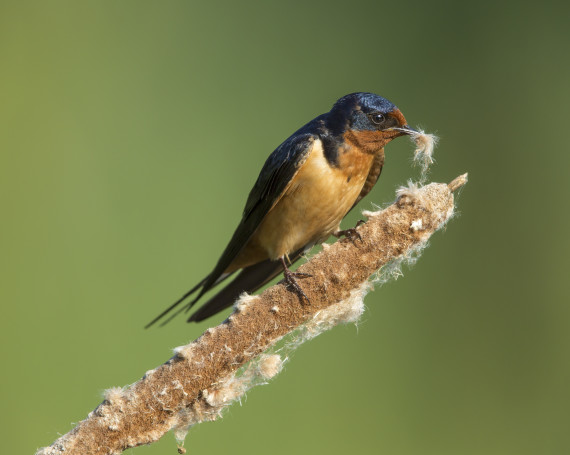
313 204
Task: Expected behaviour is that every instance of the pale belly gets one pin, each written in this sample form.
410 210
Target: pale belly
313 205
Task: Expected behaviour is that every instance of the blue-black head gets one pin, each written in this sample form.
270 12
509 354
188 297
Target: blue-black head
366 111
367 119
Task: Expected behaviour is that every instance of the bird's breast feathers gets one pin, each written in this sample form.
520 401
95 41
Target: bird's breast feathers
315 201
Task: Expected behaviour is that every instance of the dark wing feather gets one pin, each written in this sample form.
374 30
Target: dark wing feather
274 177
276 174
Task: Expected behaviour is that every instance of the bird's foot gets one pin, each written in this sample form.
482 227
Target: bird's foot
351 233
291 280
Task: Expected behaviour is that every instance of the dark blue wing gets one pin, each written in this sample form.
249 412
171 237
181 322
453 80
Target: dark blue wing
274 177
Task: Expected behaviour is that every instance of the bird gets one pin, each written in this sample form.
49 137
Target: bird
304 190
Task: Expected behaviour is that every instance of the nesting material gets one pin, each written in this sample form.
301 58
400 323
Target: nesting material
423 154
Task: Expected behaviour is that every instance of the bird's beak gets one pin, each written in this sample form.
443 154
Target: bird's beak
403 130
406 129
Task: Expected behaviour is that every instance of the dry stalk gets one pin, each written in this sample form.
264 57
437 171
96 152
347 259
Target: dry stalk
200 379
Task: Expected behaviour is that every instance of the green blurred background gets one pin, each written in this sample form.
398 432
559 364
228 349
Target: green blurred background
130 135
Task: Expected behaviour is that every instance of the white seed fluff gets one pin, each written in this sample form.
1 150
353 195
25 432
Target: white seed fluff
423 154
417 225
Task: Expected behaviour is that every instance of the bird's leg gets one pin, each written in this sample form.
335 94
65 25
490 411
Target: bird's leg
291 279
351 233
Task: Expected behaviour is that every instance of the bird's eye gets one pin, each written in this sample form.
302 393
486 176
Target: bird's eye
377 118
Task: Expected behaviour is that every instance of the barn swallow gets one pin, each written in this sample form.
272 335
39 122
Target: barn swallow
306 187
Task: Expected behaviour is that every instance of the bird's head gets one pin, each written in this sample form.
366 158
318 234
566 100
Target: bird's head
367 121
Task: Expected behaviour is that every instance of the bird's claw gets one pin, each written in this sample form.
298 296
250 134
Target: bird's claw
351 233
291 280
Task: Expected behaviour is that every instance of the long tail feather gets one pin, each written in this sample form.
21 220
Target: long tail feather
249 280
175 304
